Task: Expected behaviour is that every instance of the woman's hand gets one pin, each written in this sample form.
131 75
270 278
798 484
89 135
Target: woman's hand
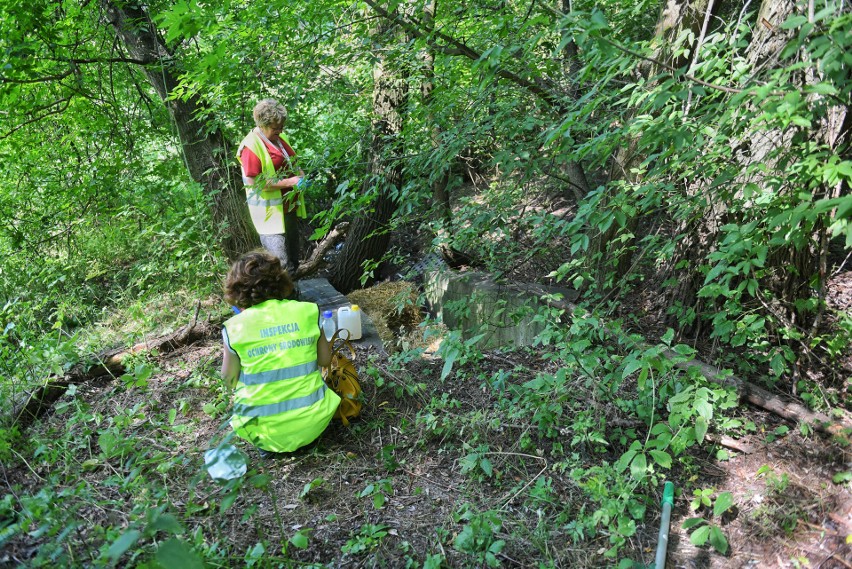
291 182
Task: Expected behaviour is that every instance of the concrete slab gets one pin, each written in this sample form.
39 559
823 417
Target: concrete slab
327 297
475 304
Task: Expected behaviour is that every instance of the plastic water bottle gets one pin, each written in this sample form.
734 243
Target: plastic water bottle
328 326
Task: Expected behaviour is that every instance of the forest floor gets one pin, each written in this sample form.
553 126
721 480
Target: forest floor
390 492
431 474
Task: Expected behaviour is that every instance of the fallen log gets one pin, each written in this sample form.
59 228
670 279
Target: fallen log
775 403
110 363
772 402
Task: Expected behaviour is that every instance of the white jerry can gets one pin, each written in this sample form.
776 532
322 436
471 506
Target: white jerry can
349 318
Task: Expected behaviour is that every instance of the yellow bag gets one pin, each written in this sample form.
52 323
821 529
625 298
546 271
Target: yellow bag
342 378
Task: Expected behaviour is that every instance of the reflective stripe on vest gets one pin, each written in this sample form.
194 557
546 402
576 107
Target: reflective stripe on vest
278 374
281 406
266 205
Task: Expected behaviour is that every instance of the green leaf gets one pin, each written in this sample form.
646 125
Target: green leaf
448 365
124 542
624 460
176 553
378 500
841 477
662 458
228 501
631 366
723 503
794 21
167 523
260 480
639 466
486 467
700 428
699 536
718 540
300 539
693 522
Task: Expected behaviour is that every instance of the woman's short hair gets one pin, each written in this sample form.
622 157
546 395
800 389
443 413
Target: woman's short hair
269 112
257 277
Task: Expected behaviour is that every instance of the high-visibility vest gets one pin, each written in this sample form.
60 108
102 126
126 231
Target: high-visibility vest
265 205
280 402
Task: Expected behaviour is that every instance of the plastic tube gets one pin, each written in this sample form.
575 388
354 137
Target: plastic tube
665 520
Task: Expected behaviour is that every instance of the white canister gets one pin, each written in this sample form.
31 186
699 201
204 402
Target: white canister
349 318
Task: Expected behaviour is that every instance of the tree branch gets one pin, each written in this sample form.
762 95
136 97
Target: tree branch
37 118
311 265
455 47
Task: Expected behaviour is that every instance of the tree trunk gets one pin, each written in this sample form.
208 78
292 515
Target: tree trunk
205 153
792 265
440 180
675 17
369 234
111 363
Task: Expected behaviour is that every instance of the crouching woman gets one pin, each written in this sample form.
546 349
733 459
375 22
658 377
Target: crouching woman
273 352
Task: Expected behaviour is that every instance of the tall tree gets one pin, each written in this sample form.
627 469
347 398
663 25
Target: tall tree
202 144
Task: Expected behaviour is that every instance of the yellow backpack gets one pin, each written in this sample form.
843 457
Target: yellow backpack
342 378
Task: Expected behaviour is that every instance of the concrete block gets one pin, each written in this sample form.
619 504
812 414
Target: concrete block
474 303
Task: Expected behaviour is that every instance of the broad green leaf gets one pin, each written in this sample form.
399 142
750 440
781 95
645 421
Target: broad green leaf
718 540
448 365
167 523
228 501
723 502
693 522
639 466
299 539
631 366
622 463
174 553
700 428
699 536
662 458
841 477
794 21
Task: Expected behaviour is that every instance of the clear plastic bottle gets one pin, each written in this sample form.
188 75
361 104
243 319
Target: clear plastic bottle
328 325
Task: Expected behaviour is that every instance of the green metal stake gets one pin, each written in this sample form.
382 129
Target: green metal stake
665 520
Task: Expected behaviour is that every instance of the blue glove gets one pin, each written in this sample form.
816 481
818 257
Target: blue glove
304 183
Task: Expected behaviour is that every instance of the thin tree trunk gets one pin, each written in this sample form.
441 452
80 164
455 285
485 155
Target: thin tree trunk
440 193
111 363
206 155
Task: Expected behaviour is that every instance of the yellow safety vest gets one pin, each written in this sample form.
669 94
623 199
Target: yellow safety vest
266 206
280 402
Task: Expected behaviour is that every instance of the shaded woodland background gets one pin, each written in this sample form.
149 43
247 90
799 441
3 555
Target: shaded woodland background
684 166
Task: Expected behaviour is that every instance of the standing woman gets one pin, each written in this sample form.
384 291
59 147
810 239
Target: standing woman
273 351
271 177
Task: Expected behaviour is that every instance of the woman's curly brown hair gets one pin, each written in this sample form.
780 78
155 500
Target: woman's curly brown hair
257 277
